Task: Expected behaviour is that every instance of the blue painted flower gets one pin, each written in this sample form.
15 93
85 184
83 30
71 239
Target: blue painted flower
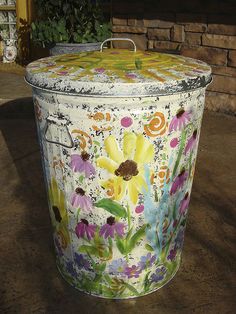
172 254
146 261
133 271
71 269
81 262
159 275
179 240
117 267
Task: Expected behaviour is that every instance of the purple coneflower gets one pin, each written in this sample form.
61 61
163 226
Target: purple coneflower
132 271
179 121
184 204
179 181
191 142
81 163
112 227
84 228
79 199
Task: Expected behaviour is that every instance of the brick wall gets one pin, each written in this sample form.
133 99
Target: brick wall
205 34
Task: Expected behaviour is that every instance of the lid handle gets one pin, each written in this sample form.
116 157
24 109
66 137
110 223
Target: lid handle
117 39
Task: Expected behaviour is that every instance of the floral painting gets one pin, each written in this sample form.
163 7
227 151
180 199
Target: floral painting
120 194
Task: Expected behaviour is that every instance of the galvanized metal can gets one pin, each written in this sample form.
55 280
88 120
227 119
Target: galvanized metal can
118 132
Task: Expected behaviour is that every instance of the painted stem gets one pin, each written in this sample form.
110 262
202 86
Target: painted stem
128 217
181 148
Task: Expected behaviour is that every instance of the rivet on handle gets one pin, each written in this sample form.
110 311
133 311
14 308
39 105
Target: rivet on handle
117 39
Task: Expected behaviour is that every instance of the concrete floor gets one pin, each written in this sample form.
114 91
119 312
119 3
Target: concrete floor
30 282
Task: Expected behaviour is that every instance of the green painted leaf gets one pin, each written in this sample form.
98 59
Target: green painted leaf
88 249
135 238
132 289
81 178
138 64
112 207
120 245
147 282
108 279
100 267
149 247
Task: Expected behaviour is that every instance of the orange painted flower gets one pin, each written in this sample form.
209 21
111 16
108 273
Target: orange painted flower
163 176
157 125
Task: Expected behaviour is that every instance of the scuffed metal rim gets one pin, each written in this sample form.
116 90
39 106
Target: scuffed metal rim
208 82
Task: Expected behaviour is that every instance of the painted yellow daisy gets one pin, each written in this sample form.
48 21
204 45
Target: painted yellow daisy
59 214
126 166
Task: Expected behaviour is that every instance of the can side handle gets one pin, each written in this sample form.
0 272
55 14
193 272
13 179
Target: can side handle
46 128
117 39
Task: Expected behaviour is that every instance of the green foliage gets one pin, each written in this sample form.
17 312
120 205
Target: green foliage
127 244
69 21
112 207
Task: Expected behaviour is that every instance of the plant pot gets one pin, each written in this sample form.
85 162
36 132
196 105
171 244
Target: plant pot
62 48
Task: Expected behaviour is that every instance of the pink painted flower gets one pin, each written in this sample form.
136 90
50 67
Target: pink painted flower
63 73
174 142
100 70
179 181
112 227
179 121
80 163
184 204
79 199
131 75
132 271
83 229
126 122
191 142
139 209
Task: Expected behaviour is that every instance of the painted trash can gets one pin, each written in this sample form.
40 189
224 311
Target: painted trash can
118 131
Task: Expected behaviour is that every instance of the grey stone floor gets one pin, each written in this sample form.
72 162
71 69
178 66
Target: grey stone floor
30 282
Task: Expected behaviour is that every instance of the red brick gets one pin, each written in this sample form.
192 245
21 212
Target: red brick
177 33
193 38
223 84
210 55
119 21
232 58
135 22
159 34
220 102
166 45
158 23
139 39
222 29
129 29
196 27
221 41
227 71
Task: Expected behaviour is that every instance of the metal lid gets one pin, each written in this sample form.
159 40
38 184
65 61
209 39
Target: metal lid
118 72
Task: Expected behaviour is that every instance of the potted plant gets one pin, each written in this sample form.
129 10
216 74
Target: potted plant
69 26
